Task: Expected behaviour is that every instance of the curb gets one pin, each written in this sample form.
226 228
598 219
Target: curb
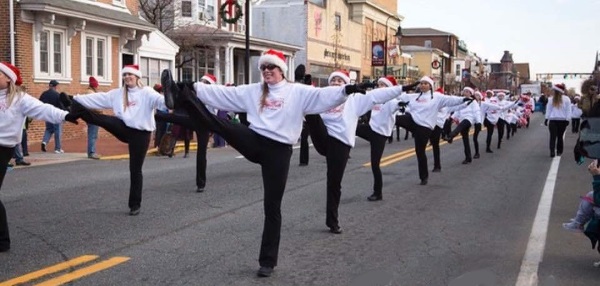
179 147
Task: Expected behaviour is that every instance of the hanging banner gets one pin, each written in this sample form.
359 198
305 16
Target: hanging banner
377 48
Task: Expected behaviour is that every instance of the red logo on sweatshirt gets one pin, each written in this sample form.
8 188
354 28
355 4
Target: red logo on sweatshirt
376 107
335 110
131 103
274 104
3 106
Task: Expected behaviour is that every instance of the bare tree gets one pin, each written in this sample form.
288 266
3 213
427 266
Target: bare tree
160 13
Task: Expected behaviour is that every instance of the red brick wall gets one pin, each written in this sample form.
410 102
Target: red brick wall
4 37
24 60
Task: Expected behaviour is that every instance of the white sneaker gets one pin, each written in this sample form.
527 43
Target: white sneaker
573 226
59 151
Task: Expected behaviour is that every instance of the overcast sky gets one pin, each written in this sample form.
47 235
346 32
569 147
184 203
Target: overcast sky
553 36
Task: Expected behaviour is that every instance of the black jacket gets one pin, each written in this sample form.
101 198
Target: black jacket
52 96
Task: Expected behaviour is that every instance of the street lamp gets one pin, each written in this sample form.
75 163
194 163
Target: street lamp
385 45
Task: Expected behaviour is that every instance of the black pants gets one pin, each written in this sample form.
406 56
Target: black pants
137 141
490 132
509 131
501 123
274 159
434 139
557 130
463 128
336 154
513 129
202 135
161 129
421 135
377 142
476 138
304 144
6 153
447 127
397 128
574 122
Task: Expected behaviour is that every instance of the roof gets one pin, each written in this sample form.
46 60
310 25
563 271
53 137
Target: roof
92 12
424 32
523 70
203 35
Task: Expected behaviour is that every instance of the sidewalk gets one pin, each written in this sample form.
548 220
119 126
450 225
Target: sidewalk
109 148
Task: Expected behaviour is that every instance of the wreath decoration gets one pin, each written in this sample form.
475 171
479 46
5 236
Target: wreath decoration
225 14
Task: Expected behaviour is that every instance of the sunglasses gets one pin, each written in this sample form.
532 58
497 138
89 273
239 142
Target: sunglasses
269 67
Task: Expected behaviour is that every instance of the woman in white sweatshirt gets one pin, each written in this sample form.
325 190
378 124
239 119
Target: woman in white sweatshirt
558 114
333 134
466 115
422 118
16 106
380 126
134 106
275 109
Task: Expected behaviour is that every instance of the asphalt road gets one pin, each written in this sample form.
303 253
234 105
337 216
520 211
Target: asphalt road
469 226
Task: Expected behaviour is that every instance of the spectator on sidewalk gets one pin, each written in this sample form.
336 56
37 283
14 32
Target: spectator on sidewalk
51 96
19 160
92 130
17 105
24 140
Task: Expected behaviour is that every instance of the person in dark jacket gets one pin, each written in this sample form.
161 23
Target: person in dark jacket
52 97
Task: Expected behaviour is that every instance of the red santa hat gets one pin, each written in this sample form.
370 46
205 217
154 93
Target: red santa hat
11 72
388 81
440 90
560 87
275 58
93 82
132 69
428 80
472 91
210 78
491 93
343 74
477 94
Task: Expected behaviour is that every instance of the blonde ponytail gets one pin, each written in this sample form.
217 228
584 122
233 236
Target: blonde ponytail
263 97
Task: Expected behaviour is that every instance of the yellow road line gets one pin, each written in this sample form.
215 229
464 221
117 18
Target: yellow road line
49 270
84 271
388 160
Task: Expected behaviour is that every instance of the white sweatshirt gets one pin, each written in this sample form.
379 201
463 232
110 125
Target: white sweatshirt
424 108
286 104
576 112
562 112
13 117
442 115
468 112
342 120
491 109
383 117
140 108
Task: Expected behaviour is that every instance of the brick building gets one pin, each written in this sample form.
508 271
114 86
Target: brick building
432 38
336 33
71 40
